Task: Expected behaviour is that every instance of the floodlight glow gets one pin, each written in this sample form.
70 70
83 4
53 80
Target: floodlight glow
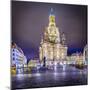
64 62
37 74
61 63
55 73
64 67
55 63
38 67
19 76
55 67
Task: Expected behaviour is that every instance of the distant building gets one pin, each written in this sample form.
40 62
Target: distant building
73 58
85 54
76 58
79 58
53 43
34 63
18 59
70 60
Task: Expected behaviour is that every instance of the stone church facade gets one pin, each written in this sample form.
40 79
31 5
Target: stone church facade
53 43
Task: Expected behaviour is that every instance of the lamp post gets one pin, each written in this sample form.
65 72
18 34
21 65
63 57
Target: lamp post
44 61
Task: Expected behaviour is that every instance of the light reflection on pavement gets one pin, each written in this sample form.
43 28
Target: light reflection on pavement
59 77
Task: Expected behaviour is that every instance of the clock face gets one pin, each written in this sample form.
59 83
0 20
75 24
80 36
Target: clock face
52 34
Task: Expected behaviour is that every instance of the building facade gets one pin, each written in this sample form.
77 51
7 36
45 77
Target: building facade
53 43
34 63
85 55
18 59
76 58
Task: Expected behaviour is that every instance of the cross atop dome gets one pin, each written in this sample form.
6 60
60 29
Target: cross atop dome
51 11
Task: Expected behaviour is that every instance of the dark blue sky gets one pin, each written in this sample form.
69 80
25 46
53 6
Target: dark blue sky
29 20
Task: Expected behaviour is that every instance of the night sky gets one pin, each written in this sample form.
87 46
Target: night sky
29 20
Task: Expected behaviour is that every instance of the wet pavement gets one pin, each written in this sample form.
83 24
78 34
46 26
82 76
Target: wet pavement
66 76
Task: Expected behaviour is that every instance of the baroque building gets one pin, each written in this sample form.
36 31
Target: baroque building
53 43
